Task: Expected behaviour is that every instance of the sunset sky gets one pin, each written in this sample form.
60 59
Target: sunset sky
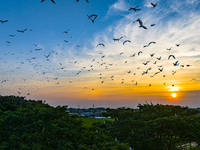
72 69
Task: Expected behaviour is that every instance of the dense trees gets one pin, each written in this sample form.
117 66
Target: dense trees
156 126
29 124
35 125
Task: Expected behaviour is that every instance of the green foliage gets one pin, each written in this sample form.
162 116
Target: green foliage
29 124
155 127
87 122
34 125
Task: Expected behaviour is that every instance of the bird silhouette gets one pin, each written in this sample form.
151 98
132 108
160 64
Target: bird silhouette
51 1
117 39
141 23
22 31
3 21
92 17
66 31
66 41
176 63
132 55
171 56
139 52
177 45
169 48
153 25
160 69
154 5
11 35
146 63
151 43
100 44
152 54
145 46
135 9
159 58
126 41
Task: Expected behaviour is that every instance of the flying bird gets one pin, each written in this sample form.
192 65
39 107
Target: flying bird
3 21
117 39
66 31
171 56
145 46
139 52
153 25
152 54
177 45
154 5
132 55
101 44
151 43
22 31
11 35
159 58
146 63
141 23
66 41
135 9
160 69
51 1
126 41
169 48
176 63
93 15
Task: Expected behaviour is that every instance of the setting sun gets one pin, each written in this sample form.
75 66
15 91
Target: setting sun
173 94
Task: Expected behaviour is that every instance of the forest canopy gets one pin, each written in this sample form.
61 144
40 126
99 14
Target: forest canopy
30 124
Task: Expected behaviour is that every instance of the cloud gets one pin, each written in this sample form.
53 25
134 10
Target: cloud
173 26
119 5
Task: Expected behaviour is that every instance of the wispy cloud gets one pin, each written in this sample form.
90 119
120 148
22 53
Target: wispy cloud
118 6
173 26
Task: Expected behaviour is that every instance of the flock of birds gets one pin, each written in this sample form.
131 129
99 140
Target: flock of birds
44 70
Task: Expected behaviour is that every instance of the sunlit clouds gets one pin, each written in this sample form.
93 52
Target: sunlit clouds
88 71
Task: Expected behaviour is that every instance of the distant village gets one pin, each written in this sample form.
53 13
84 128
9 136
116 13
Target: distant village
94 112
90 112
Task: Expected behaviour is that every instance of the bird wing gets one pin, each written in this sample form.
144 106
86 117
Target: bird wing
130 9
126 41
144 27
42 1
140 22
136 6
87 1
153 4
53 1
5 21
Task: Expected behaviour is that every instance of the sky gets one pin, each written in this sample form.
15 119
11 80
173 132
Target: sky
86 67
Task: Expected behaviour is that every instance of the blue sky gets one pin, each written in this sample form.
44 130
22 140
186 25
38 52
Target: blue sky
71 74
